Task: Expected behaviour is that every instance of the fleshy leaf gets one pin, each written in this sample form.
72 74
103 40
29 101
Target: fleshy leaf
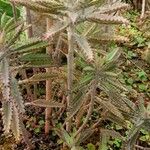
6 115
15 125
44 103
56 28
107 19
16 95
84 46
110 107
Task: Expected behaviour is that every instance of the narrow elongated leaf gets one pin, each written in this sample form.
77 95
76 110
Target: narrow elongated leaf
108 38
110 107
15 126
64 135
112 55
110 116
37 59
84 135
133 134
109 8
19 30
3 20
51 4
16 95
116 83
44 103
5 79
85 47
38 77
12 26
107 19
34 6
8 24
78 101
56 28
105 135
84 81
6 115
30 44
111 133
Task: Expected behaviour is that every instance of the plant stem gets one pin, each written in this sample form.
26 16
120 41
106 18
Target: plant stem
48 111
30 35
29 21
70 62
143 8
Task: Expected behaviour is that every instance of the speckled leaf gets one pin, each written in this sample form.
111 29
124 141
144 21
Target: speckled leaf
6 115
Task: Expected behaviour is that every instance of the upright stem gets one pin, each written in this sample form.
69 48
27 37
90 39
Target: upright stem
143 8
48 111
29 35
70 62
29 21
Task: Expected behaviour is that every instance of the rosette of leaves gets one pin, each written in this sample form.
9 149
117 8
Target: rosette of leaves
10 50
70 140
67 15
103 75
75 12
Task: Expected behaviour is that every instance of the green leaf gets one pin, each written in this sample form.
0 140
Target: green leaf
103 143
130 81
37 59
19 30
30 44
64 135
3 20
142 75
41 122
5 6
142 87
37 130
39 77
113 55
133 134
90 146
